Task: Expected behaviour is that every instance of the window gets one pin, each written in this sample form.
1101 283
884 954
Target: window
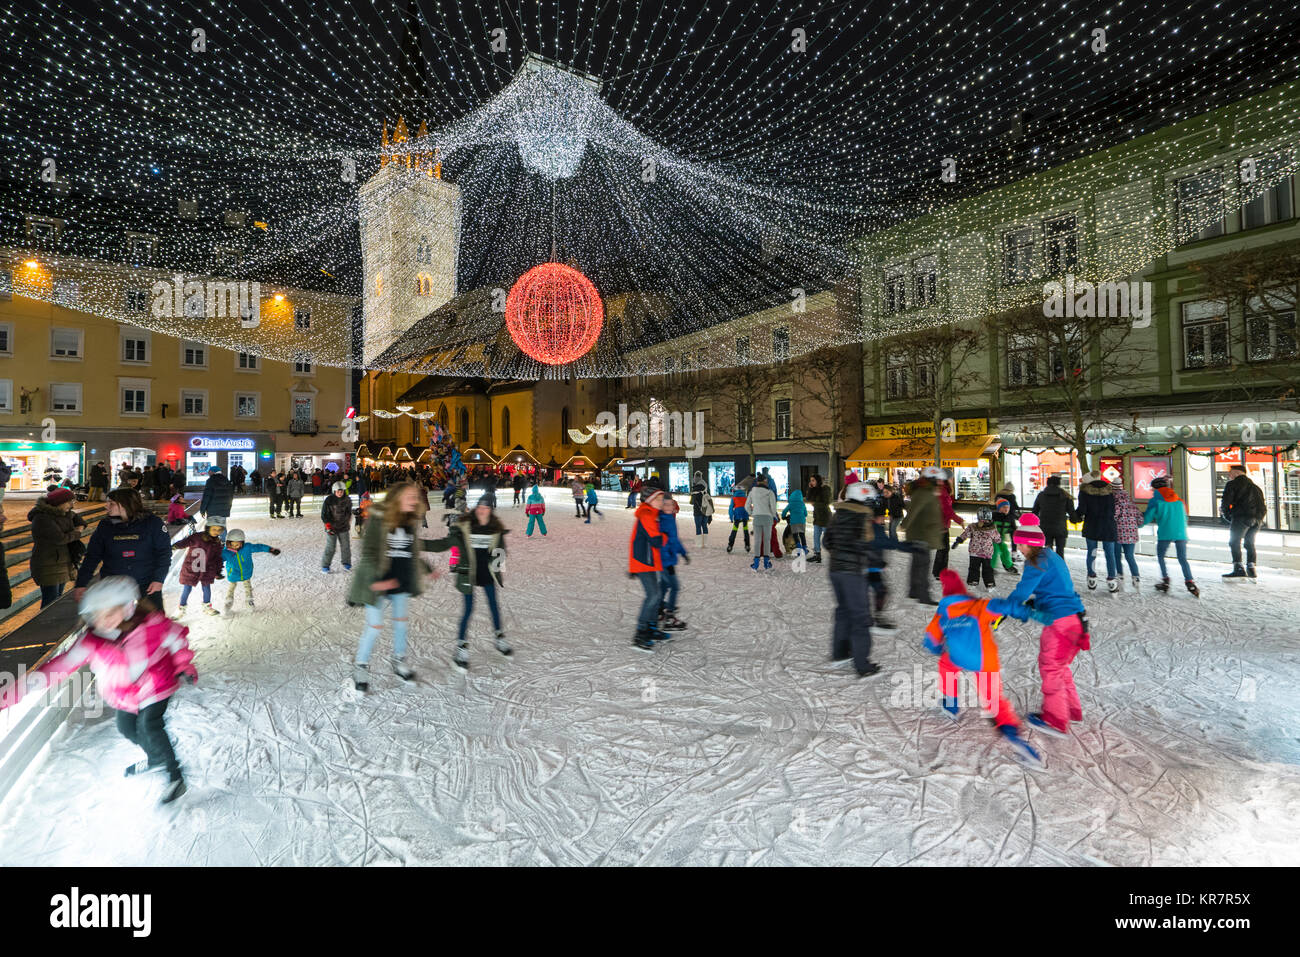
1061 245
1198 203
140 249
781 343
67 293
464 425
6 395
65 396
302 366
897 377
925 281
137 300
134 401
744 422
1205 334
302 318
686 366
135 346
246 362
246 404
1271 326
65 343
505 428
1022 361
1065 358
194 354
304 413
670 368
6 285
194 403
1018 256
564 427
423 284
925 378
742 349
6 338
1273 205
424 252
44 232
895 290
781 414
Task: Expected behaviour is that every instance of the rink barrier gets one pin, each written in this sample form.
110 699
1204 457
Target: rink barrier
27 728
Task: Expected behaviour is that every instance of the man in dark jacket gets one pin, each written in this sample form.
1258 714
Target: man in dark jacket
99 480
336 513
274 485
1096 509
1244 508
131 541
218 497
851 540
1055 510
517 483
925 528
6 595
163 478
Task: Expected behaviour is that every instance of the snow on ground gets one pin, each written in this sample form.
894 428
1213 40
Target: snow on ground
740 743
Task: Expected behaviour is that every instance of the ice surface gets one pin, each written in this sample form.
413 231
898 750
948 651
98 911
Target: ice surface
740 743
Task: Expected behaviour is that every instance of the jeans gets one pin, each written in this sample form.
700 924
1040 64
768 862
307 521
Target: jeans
763 532
1110 550
1242 532
1180 549
852 633
668 588
1129 553
817 538
375 624
469 610
701 524
207 593
149 731
50 592
591 507
273 503
649 613
893 527
344 545
631 499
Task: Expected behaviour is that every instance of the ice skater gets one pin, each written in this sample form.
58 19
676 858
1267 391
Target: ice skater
644 563
1005 525
851 540
1059 608
701 509
1167 513
201 564
479 540
984 539
591 503
136 654
796 515
535 509
961 634
238 556
336 515
669 552
738 517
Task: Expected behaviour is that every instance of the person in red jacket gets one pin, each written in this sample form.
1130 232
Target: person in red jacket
645 562
136 655
948 516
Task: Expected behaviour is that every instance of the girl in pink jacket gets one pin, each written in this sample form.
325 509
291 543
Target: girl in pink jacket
136 657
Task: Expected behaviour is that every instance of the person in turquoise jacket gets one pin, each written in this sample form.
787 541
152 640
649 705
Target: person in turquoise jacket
1168 513
238 555
591 503
535 509
796 513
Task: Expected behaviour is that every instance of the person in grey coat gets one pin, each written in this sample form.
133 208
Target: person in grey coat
294 489
762 508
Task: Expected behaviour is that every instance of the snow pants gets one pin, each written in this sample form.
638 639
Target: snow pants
537 520
148 730
976 568
735 527
988 686
344 545
852 630
1002 556
1057 647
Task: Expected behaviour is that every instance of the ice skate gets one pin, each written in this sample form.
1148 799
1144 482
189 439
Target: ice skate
1036 720
140 767
1250 572
754 563
1020 748
229 606
1162 586
767 562
402 669
175 788
180 612
1092 582
871 669
883 625
461 657
643 641
347 568
1238 572
1112 585
1191 587
502 645
361 678
209 610
250 603
670 622
325 569
815 557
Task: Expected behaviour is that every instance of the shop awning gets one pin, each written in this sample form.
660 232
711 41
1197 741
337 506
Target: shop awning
363 451
476 456
403 455
425 457
916 453
518 456
578 463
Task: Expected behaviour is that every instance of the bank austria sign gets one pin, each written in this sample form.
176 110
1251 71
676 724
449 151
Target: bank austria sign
217 443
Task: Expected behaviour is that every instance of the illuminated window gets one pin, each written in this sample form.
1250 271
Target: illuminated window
1205 334
423 284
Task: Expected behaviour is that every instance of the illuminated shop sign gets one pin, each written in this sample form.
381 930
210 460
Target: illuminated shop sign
211 443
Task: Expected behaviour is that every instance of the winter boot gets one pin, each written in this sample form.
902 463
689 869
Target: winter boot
746 539
1162 586
503 646
767 562
1191 587
175 788
1237 572
754 564
1092 582
1020 748
401 668
1250 571
209 610
461 658
361 677
1136 585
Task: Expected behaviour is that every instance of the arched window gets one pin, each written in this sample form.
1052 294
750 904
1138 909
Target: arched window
464 425
442 416
564 426
505 429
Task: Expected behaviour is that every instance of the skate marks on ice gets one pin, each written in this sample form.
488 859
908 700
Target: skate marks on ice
737 743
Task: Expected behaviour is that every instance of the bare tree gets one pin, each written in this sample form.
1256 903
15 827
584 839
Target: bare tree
1265 282
739 392
936 368
1056 368
832 379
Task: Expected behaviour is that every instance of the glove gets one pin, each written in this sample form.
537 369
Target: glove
686 558
997 622
275 551
957 544
930 645
329 529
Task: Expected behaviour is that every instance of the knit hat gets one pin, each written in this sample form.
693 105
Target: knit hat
59 496
1000 502
1029 532
951 583
650 493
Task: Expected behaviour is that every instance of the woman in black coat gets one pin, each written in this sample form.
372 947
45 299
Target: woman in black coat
1055 509
133 542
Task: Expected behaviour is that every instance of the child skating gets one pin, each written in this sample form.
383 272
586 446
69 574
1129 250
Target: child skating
137 655
1168 514
961 634
479 540
238 556
738 516
984 539
1059 608
1005 525
535 509
796 514
336 515
670 551
591 503
201 564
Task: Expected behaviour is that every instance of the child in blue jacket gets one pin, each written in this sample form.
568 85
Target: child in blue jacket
238 555
796 513
592 499
668 553
739 516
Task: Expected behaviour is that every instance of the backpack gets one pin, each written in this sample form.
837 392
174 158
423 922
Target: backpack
706 503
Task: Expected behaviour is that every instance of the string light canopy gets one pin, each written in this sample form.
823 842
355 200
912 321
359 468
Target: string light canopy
711 160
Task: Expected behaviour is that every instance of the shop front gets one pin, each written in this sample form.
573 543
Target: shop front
898 452
37 465
309 452
202 452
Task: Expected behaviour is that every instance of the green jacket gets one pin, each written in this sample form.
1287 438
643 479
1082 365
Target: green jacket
924 519
466 573
372 565
820 500
53 531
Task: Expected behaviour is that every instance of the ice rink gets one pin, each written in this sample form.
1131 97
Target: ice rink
739 743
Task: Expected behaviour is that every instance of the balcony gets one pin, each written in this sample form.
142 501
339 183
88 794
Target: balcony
303 427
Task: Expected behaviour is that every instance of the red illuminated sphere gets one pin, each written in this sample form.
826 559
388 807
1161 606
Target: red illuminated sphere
554 313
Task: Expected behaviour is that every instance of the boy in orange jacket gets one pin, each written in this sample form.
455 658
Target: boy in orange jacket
645 562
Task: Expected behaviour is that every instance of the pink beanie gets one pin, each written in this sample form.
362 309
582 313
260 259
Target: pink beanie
1029 532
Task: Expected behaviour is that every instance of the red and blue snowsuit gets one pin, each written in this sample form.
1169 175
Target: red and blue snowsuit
961 634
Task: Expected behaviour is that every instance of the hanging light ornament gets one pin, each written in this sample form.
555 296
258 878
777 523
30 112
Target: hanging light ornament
554 313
